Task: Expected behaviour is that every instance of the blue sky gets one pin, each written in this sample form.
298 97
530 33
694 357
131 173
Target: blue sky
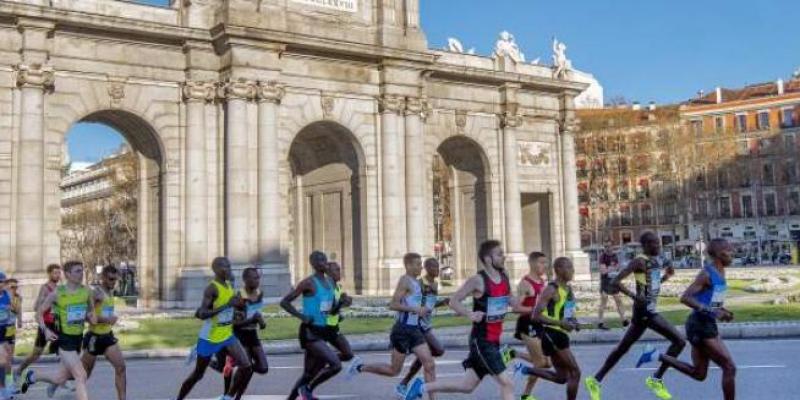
659 50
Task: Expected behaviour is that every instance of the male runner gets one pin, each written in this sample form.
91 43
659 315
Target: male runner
216 311
647 271
318 297
555 310
53 278
73 306
14 322
529 331
406 336
340 301
706 296
609 269
491 292
100 340
430 298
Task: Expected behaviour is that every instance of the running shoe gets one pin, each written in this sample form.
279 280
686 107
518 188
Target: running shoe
51 390
527 397
415 390
191 356
27 381
400 390
508 354
657 387
649 354
354 368
593 387
518 371
305 393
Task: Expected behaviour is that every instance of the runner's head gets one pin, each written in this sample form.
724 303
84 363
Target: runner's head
413 264
650 243
721 251
564 269
431 267
319 261
335 271
537 262
73 271
251 278
12 285
109 277
490 253
222 268
54 273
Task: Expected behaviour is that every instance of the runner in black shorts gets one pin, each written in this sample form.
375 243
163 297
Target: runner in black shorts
647 271
53 278
406 336
556 311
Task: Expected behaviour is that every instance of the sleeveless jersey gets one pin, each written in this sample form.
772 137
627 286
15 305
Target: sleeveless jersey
219 328
333 319
714 296
49 315
103 309
493 302
430 296
5 309
562 309
319 305
530 301
250 309
11 329
413 300
648 283
71 309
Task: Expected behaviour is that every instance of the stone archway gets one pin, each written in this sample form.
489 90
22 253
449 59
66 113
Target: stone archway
467 201
145 143
327 197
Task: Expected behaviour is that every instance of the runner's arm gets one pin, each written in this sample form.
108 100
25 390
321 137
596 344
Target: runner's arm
633 266
90 315
397 299
517 307
469 287
205 311
700 282
547 294
18 311
46 304
286 303
40 297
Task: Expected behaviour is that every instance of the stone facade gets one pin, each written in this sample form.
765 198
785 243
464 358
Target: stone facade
268 128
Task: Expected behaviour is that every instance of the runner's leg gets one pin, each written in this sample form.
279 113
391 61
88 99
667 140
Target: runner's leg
698 370
311 367
566 372
602 309
196 375
114 356
244 368
661 326
437 350
391 370
537 358
720 355
466 385
620 306
343 346
632 335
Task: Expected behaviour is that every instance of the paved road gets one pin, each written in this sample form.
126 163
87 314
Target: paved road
767 370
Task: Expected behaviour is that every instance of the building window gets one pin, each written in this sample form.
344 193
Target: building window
741 122
769 204
747 206
724 206
769 175
743 147
794 203
787 120
719 124
647 214
697 127
702 208
763 120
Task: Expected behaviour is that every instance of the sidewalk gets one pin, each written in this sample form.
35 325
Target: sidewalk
457 337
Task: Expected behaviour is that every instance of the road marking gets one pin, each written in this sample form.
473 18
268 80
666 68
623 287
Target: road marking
282 397
715 367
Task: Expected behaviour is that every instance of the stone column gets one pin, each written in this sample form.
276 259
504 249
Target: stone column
392 183
33 80
415 176
196 94
269 198
569 202
513 208
237 189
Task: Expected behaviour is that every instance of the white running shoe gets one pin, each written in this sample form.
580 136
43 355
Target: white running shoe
354 368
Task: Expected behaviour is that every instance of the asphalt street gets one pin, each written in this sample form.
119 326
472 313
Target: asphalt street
767 370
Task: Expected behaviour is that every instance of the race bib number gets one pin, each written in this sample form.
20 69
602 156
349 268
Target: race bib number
655 281
76 314
496 308
107 312
325 307
718 296
225 317
569 309
253 309
430 302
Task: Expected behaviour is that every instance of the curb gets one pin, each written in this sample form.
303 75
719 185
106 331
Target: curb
364 343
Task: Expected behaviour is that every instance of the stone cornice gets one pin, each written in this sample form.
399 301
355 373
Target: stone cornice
199 91
511 119
271 91
35 75
392 103
239 89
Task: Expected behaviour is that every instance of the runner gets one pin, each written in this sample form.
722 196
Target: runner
406 336
216 311
100 340
321 363
609 269
5 323
340 301
556 311
53 278
430 296
73 304
647 271
706 296
14 322
529 331
491 292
